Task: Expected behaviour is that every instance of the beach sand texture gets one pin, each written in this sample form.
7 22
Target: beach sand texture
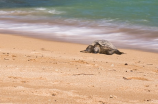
37 71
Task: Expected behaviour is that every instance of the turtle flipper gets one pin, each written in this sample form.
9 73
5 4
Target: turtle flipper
89 49
118 52
110 52
84 51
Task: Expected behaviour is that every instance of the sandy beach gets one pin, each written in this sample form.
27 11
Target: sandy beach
36 71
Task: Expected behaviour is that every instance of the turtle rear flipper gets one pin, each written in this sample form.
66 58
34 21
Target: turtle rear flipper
118 52
110 52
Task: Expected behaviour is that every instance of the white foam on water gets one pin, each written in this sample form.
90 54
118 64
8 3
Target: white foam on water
12 12
55 12
41 8
50 10
30 11
58 30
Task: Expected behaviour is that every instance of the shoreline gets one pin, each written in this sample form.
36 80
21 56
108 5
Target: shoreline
41 71
121 37
69 41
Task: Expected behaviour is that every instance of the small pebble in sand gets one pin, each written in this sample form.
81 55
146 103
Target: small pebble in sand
135 69
147 90
112 65
13 56
146 85
125 78
6 59
113 96
149 64
126 64
147 100
102 102
53 94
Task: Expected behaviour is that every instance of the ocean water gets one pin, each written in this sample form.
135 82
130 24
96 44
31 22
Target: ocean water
126 23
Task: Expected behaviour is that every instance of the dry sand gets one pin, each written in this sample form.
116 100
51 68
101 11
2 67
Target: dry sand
36 71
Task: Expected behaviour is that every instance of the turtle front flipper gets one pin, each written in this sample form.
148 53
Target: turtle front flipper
84 51
89 49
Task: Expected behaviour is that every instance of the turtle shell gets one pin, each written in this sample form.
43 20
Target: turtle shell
104 43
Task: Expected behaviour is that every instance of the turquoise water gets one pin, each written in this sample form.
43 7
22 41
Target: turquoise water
142 12
127 23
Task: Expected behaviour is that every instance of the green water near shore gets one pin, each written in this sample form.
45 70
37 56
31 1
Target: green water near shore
142 12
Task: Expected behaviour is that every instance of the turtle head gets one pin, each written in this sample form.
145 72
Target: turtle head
96 48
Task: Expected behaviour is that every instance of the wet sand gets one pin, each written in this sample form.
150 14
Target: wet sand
37 71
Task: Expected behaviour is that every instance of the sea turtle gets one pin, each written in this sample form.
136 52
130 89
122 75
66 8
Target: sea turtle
102 47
